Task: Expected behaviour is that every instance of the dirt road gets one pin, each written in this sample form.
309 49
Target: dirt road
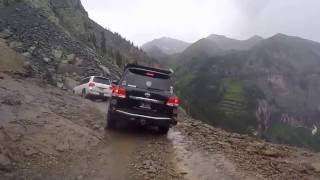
47 133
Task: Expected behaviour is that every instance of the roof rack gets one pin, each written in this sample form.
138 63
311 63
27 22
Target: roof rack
164 71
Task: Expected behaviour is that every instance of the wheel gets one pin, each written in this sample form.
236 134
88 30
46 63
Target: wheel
163 129
83 94
111 124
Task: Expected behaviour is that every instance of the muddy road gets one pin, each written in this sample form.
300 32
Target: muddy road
48 133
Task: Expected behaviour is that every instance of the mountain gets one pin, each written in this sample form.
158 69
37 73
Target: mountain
270 90
167 45
156 53
60 41
226 43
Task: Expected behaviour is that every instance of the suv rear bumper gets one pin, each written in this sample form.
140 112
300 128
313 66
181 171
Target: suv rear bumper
142 119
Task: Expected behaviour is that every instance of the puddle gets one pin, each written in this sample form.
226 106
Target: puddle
199 165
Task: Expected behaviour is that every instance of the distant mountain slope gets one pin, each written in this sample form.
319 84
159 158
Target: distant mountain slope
167 45
156 53
270 88
226 43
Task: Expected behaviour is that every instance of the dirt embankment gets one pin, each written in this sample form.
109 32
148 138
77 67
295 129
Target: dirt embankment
47 133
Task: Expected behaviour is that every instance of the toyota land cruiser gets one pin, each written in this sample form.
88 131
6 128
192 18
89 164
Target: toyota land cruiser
144 96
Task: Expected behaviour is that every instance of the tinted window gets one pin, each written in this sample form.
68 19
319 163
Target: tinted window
146 80
101 80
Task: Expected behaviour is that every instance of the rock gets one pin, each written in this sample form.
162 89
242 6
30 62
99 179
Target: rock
45 59
31 49
62 147
5 163
59 84
5 34
78 61
30 152
105 70
96 126
316 166
27 54
15 44
70 83
71 57
271 152
65 62
57 54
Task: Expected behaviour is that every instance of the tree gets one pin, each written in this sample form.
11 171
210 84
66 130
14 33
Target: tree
119 59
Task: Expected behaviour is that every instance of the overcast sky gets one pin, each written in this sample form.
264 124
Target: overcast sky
189 20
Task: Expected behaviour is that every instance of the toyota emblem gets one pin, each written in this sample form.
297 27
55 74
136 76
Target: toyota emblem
147 95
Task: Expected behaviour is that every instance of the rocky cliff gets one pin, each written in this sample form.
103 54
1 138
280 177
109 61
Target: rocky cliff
61 42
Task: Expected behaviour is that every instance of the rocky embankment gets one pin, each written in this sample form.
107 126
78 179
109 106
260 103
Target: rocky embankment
50 51
255 157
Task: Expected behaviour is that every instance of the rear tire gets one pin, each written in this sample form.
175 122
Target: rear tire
163 129
111 124
83 94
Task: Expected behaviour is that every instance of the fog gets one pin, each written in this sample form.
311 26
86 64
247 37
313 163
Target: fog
190 20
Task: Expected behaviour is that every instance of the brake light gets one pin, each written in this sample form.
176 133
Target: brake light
92 84
150 74
119 92
173 101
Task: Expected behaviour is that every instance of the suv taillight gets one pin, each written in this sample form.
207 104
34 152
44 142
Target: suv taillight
119 92
173 101
92 85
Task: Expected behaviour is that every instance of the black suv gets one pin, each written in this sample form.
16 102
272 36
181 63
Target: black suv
144 96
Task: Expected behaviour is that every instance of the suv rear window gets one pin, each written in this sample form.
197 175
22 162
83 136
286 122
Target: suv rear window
101 80
147 80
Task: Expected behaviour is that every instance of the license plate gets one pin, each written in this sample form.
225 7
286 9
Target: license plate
101 94
145 105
